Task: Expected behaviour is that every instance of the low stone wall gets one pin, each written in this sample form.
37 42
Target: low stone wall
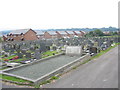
62 69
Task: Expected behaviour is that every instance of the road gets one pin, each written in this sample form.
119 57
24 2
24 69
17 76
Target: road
98 73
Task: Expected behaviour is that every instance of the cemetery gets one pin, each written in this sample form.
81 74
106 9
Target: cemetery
41 59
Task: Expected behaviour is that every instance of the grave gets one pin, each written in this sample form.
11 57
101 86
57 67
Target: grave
74 50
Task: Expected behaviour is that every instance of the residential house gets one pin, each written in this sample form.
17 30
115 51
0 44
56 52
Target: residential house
22 34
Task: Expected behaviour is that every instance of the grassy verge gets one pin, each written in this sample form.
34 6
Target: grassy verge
47 81
10 78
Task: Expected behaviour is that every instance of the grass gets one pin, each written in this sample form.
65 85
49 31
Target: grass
49 53
53 78
5 77
17 60
47 81
3 68
10 57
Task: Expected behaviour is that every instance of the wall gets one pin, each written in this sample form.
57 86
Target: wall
30 35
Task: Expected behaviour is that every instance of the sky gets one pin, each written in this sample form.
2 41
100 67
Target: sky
58 14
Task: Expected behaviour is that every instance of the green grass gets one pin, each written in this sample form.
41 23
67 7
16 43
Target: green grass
17 60
49 53
2 56
3 68
53 78
10 57
5 77
45 82
112 36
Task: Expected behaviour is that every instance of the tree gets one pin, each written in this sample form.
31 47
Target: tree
98 32
95 33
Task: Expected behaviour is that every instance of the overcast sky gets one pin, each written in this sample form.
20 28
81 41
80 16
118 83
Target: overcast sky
48 14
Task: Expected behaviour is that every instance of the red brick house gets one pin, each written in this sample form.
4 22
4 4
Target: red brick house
62 34
40 34
50 34
77 33
22 34
82 33
4 38
70 33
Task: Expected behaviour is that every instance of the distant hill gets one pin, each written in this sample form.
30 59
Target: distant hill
71 29
85 29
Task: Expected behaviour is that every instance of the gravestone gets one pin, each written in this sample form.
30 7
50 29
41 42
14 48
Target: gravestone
93 50
47 47
28 55
73 50
37 54
20 55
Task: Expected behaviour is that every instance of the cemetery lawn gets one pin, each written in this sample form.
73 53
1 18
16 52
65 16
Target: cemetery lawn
49 53
10 78
10 57
18 60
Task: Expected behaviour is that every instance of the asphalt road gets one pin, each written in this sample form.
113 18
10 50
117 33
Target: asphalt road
98 73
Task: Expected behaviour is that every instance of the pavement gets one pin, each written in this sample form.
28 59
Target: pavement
98 73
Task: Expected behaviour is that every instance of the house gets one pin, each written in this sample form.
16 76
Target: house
70 33
82 33
40 34
106 32
22 34
62 34
50 34
77 33
4 38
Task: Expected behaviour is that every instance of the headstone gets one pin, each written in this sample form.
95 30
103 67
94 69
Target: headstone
28 55
93 50
37 54
73 50
20 55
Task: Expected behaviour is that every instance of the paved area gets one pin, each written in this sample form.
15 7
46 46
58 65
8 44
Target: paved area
39 69
98 73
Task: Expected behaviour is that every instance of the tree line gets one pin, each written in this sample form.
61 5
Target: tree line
98 32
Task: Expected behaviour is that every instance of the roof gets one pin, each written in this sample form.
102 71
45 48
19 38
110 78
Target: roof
70 32
40 32
62 32
52 32
78 32
19 31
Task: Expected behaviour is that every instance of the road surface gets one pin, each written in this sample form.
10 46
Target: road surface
98 73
